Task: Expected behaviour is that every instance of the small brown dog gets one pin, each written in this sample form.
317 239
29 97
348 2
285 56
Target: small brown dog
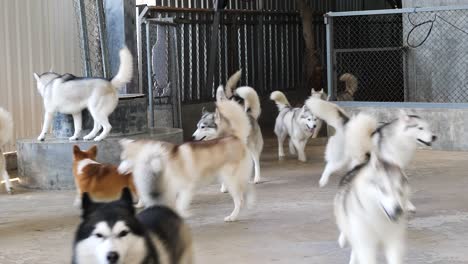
101 181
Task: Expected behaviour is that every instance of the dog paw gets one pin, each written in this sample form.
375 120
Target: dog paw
323 182
230 218
411 208
281 157
98 139
88 137
10 191
185 214
302 159
41 138
77 203
223 189
257 180
72 138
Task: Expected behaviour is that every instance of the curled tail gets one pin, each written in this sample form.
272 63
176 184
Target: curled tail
125 73
329 112
280 99
251 100
6 127
238 121
351 83
232 83
359 145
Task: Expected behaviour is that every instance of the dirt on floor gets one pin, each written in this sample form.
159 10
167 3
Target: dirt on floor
291 222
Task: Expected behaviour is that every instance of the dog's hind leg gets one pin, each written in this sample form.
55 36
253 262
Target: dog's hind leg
394 248
93 132
46 125
77 122
364 253
104 121
300 146
281 138
292 149
183 202
256 159
3 171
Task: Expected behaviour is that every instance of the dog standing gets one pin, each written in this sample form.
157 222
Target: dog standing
168 173
102 182
369 211
69 94
248 98
6 134
297 123
351 87
111 233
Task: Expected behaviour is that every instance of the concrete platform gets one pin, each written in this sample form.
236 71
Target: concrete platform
48 164
292 222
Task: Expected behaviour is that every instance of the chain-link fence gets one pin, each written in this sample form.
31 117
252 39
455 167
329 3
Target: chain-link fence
92 37
405 55
266 44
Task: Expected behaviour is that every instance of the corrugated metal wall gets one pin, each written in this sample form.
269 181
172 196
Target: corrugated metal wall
34 36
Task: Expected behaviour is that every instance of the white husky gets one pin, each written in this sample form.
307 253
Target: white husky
6 134
297 123
69 94
321 95
369 211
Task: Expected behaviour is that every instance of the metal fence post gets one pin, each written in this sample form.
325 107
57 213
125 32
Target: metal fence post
84 38
148 68
330 66
103 38
260 46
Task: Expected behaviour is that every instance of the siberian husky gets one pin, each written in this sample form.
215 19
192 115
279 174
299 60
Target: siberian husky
369 211
69 94
396 141
102 182
297 123
6 134
248 98
111 233
351 87
321 95
168 173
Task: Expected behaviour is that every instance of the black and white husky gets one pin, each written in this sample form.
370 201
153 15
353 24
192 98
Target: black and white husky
297 123
69 94
6 134
111 233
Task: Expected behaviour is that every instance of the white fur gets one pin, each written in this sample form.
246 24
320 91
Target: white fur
251 100
368 214
298 124
6 134
320 95
84 163
72 97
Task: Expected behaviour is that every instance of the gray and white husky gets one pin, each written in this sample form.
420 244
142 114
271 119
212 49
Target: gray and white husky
248 98
111 233
297 123
396 141
6 134
69 94
369 211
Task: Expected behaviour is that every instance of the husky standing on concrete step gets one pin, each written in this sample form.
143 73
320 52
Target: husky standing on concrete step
297 123
110 233
69 94
248 98
369 210
6 134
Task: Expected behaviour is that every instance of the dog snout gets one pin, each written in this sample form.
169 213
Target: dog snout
112 257
314 126
434 138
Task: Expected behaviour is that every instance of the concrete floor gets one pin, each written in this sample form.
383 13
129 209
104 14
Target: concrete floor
292 221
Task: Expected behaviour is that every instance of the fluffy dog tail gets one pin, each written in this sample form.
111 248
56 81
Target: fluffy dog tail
232 83
6 127
329 112
251 101
359 132
280 100
351 83
239 124
125 73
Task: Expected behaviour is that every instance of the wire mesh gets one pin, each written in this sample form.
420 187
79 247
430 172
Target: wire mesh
403 57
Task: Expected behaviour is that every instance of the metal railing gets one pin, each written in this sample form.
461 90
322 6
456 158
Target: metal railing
400 55
267 45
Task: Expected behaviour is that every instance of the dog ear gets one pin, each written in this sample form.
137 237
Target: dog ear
93 151
402 115
87 205
36 76
220 94
76 150
203 111
127 199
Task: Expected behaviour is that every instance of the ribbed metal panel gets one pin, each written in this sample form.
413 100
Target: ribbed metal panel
34 36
